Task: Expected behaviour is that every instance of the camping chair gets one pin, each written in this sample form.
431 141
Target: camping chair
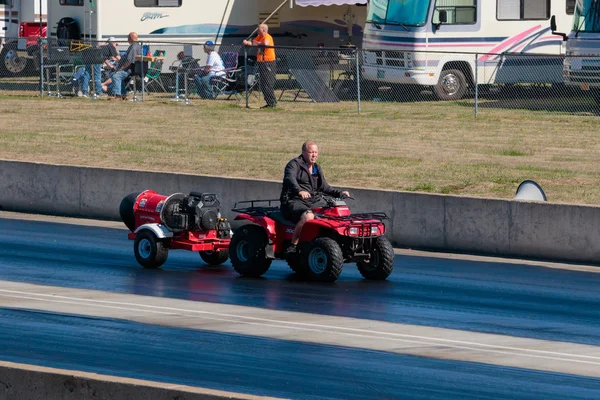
138 68
229 84
59 62
154 71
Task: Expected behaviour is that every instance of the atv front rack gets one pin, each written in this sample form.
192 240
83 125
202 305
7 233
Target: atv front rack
256 207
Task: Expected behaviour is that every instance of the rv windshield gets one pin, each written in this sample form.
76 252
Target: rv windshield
587 16
398 12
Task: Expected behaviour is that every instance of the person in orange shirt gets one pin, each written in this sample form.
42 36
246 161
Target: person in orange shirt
265 60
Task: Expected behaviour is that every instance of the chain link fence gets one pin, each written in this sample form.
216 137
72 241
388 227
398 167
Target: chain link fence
176 71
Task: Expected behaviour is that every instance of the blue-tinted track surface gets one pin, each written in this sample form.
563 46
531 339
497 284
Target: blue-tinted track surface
482 296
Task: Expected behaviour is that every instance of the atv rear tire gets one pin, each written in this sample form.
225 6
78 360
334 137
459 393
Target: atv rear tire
214 257
323 260
296 263
149 251
381 263
247 251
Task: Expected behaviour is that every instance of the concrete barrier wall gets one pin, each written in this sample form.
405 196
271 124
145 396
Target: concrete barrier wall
425 221
28 382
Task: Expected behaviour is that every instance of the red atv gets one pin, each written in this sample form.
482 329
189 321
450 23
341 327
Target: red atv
334 237
189 222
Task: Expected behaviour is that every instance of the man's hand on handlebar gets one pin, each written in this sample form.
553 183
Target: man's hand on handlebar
346 195
304 194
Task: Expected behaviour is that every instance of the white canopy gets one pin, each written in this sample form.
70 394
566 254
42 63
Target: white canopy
306 3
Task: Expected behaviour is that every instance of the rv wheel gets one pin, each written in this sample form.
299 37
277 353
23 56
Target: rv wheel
452 85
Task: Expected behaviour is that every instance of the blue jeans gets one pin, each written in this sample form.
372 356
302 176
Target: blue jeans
78 73
118 77
204 87
85 79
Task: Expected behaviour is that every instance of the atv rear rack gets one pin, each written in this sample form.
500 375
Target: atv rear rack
356 217
254 209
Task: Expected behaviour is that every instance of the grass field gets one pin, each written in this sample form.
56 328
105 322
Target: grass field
425 146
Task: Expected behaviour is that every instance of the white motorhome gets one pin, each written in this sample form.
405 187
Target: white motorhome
443 43
582 61
13 12
222 21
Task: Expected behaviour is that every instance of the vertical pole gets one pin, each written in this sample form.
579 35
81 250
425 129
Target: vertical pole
476 85
143 73
246 73
41 44
177 72
357 80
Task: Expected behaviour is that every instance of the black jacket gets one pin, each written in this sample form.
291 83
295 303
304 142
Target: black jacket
297 178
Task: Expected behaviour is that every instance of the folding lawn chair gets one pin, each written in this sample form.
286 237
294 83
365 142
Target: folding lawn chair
154 71
228 84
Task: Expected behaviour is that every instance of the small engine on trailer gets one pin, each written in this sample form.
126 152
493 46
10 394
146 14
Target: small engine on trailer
194 212
161 223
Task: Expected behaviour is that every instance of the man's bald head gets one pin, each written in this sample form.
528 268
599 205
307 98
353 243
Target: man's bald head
133 37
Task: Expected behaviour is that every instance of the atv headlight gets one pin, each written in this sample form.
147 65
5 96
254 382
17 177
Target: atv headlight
353 231
374 230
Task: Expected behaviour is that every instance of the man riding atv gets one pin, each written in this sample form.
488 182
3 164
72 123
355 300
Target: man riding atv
303 181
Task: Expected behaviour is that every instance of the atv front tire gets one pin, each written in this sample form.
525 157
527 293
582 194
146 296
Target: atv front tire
323 260
381 261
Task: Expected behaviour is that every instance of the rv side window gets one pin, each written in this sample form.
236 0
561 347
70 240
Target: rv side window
71 2
570 7
522 9
157 3
457 11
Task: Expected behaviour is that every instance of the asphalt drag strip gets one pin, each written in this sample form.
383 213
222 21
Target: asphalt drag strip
423 341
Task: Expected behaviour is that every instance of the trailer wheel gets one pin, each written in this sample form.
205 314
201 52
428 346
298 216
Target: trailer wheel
452 85
248 251
214 257
381 262
324 259
149 251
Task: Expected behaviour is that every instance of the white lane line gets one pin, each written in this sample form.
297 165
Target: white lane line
307 327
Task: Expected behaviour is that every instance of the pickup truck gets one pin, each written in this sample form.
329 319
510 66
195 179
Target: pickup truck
21 56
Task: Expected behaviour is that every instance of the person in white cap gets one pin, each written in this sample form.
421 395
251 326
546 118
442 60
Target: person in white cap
112 61
214 67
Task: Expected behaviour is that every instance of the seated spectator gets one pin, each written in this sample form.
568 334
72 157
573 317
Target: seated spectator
125 67
84 74
110 64
112 61
187 62
214 67
188 66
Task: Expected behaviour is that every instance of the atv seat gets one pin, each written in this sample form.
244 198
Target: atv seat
278 216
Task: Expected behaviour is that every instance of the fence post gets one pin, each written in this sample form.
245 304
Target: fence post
143 74
476 85
41 44
357 79
246 73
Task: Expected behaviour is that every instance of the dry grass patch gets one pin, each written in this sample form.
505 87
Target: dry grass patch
431 147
